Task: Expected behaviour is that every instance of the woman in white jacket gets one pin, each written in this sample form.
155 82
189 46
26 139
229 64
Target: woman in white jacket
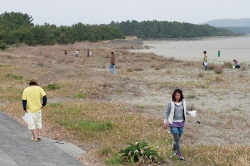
175 118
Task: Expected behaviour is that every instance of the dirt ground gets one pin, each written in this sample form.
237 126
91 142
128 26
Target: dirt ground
145 82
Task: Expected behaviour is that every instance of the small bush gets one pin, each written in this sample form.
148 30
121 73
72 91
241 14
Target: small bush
218 69
157 68
227 65
40 63
3 46
200 74
14 76
130 69
172 59
243 68
188 63
139 153
52 87
8 56
55 105
81 95
218 79
211 66
138 69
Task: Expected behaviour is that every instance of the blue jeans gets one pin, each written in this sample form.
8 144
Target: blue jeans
176 130
112 69
76 55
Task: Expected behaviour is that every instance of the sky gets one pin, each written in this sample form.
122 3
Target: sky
69 12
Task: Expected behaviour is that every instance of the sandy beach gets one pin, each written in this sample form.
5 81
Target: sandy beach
230 48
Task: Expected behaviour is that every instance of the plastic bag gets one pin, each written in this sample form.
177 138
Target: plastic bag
193 113
28 118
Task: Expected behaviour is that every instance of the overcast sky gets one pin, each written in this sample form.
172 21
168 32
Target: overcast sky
68 12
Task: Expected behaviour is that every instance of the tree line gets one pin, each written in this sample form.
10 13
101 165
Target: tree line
165 29
18 28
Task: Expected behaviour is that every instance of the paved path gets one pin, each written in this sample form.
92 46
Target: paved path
16 148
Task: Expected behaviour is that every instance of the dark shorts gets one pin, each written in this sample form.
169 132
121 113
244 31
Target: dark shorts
176 130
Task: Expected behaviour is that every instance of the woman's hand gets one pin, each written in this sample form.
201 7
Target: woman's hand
165 126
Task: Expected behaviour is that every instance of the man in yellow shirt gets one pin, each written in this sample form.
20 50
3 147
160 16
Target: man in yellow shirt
31 101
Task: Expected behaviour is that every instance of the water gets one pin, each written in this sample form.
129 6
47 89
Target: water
230 48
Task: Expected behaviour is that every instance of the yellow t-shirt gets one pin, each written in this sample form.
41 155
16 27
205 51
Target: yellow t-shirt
33 95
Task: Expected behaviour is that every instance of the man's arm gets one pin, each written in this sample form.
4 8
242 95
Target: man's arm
44 101
24 105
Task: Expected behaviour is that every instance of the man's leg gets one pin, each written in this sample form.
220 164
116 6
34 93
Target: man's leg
33 131
39 133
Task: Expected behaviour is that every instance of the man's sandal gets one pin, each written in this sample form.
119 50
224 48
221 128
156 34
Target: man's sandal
33 139
39 138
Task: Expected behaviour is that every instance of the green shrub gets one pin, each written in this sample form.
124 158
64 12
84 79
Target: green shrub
139 153
55 105
3 46
81 95
14 76
52 87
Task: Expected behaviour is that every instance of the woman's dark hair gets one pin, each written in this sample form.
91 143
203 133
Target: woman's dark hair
177 91
204 52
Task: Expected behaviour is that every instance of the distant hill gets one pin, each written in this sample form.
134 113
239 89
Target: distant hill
243 22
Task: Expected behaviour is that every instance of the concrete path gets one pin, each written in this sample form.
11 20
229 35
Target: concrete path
16 148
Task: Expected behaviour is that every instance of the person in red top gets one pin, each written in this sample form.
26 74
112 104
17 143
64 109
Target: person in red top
237 63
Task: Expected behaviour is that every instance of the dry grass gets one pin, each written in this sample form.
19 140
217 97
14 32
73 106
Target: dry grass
227 65
218 69
101 112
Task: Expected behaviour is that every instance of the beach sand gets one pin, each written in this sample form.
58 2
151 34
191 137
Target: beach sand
230 48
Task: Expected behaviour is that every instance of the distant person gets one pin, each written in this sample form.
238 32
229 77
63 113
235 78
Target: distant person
205 60
76 52
31 101
112 63
65 52
237 63
218 53
88 53
175 118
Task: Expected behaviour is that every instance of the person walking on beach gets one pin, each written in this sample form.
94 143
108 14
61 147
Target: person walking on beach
218 53
237 63
88 53
175 118
65 52
31 101
205 60
76 52
112 63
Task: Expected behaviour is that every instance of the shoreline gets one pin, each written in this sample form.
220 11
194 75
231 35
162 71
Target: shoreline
195 38
230 48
